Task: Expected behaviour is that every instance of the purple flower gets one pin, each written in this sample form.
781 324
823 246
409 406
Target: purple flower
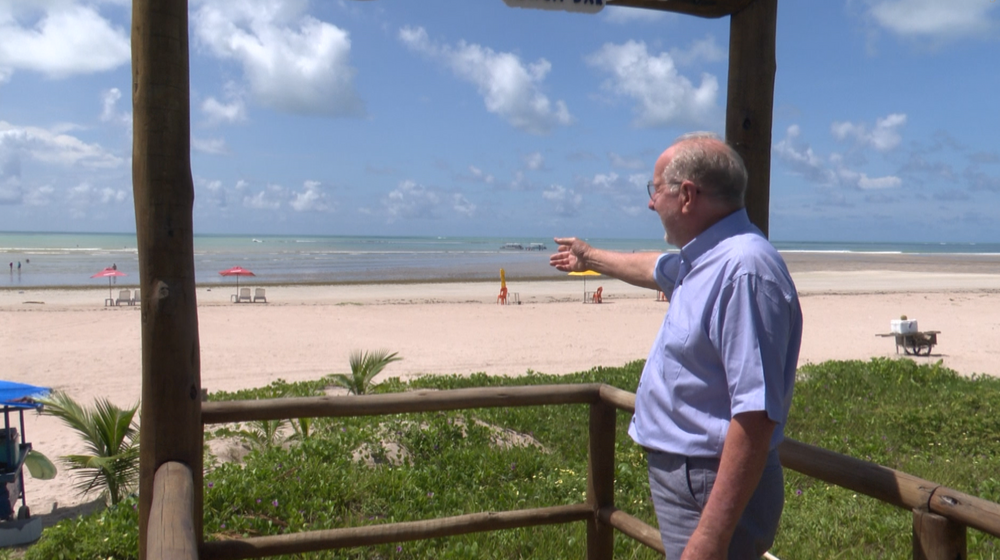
399 548
430 494
211 485
513 466
223 526
258 500
798 492
274 503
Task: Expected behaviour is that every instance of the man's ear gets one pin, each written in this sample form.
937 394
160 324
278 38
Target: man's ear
688 194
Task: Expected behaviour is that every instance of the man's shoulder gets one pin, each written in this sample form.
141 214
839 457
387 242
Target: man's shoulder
751 253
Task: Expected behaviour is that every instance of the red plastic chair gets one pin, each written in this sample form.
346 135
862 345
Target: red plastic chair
597 295
502 298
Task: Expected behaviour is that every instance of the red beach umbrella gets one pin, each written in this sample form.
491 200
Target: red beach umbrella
237 271
109 273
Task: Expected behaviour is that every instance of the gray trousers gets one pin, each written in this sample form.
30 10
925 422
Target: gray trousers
680 487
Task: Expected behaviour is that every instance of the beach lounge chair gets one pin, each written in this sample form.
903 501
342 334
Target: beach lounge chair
597 295
244 295
502 298
124 296
136 300
258 295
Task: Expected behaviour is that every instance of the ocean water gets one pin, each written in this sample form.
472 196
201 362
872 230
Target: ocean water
69 259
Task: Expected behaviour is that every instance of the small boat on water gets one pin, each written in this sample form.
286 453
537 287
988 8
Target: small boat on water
520 247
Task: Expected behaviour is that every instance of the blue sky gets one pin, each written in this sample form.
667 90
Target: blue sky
468 117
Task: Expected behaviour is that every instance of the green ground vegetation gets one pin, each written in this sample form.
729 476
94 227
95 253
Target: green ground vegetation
343 472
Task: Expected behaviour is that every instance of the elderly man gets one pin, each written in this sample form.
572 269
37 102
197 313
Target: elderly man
714 396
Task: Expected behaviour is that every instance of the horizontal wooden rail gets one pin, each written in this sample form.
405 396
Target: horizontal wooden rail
633 527
888 485
618 398
891 486
397 403
171 522
312 541
965 509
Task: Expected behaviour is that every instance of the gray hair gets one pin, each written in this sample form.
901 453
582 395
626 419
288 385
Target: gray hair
714 166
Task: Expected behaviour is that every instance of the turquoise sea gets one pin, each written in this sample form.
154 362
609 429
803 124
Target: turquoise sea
69 259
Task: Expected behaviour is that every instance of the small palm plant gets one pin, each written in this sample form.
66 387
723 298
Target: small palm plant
364 367
112 439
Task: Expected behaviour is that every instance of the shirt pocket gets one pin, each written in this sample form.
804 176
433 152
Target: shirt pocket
673 345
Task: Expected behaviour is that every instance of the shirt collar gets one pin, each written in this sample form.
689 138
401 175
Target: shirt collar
737 222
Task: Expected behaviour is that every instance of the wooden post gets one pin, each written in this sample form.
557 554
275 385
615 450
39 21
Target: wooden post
751 100
601 480
937 538
171 533
164 197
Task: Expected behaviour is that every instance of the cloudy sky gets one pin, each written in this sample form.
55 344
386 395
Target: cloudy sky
467 117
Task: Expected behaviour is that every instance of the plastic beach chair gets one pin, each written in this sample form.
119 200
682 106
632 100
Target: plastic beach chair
124 296
258 295
244 295
597 295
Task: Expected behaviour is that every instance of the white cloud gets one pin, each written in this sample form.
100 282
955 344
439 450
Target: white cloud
209 192
933 18
267 199
622 162
622 15
310 199
412 201
889 182
85 195
218 112
565 202
663 97
534 161
883 137
54 148
509 88
39 196
702 50
480 176
292 62
833 172
59 39
109 108
212 146
800 157
462 205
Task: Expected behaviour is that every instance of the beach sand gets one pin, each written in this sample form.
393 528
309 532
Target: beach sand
65 339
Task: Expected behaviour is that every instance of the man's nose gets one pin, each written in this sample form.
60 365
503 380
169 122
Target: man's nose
652 205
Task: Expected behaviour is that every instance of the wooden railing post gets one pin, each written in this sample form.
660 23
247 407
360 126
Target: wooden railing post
171 515
601 480
164 198
936 537
750 100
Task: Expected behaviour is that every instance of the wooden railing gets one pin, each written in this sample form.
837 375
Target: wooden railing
941 514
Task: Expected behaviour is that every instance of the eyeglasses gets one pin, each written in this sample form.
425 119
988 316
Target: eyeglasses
651 187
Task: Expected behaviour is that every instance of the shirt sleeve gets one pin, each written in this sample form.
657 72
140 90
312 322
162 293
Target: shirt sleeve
753 323
666 271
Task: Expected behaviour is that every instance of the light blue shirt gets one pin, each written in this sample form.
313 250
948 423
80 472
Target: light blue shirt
729 343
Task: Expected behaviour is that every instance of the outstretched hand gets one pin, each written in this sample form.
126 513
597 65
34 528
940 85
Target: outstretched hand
572 255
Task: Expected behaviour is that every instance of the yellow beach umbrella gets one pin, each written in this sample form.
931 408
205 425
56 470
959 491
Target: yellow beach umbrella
585 274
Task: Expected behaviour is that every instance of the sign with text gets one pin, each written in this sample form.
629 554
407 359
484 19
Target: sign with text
583 6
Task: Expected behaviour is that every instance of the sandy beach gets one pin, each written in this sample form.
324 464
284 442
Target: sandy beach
67 340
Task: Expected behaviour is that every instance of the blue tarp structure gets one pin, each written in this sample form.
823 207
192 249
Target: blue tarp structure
19 395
